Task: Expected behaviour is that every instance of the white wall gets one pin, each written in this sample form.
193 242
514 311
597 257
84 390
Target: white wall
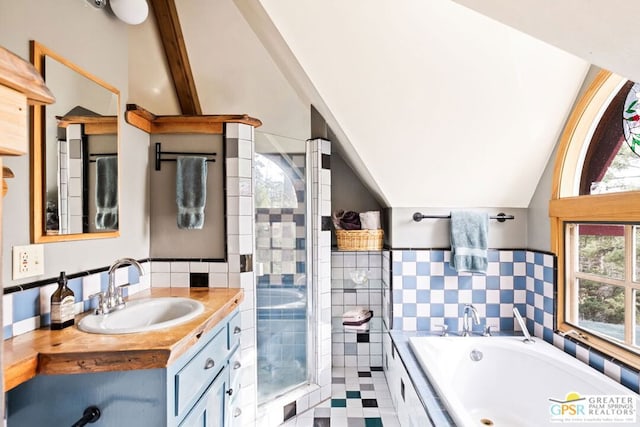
98 43
539 228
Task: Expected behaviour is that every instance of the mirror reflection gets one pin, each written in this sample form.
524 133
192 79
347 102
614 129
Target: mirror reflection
79 153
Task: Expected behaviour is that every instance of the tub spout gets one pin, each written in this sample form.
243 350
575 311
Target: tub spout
470 316
527 338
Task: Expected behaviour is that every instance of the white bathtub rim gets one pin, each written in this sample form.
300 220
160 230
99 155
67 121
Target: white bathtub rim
420 347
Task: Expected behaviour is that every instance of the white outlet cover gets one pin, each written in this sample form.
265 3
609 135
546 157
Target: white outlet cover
28 261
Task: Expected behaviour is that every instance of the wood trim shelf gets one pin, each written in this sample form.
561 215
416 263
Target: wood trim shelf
206 124
99 125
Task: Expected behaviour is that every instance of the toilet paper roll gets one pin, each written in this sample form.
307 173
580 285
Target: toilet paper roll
370 220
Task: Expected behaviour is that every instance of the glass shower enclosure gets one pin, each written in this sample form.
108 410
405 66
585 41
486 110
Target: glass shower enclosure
282 298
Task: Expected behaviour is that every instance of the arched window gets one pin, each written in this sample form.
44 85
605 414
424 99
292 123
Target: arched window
595 219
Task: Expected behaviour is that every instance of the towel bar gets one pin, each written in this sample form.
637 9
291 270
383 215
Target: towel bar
100 154
159 154
501 217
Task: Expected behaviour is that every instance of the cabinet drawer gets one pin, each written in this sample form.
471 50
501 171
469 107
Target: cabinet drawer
200 371
234 331
13 121
235 368
210 409
233 415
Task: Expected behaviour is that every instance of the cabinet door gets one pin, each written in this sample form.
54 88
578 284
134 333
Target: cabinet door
209 411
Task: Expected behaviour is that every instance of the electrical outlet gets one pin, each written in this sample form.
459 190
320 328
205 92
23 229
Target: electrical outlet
28 261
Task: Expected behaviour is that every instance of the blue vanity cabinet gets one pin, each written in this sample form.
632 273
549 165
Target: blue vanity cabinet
210 410
192 391
217 405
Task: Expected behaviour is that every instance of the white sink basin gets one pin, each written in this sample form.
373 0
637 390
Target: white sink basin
143 315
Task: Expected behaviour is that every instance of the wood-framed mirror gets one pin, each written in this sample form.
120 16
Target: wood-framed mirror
74 154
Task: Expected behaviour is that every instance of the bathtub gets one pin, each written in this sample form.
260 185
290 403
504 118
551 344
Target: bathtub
501 381
280 299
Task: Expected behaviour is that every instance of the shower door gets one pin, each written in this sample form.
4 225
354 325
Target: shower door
281 265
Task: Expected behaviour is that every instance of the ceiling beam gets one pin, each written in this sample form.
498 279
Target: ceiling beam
175 50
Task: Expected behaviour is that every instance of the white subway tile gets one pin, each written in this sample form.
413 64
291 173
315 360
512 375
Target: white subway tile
232 167
245 149
45 297
245 132
218 280
198 267
26 325
160 267
91 285
179 280
179 267
218 267
7 309
161 280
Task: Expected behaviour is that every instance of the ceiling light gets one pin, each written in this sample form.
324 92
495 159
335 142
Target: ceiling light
132 12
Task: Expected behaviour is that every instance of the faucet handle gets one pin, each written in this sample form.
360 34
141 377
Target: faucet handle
444 332
119 294
101 308
487 331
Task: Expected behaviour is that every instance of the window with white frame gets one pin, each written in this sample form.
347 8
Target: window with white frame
602 281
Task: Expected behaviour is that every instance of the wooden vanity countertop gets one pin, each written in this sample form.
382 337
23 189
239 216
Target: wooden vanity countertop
71 351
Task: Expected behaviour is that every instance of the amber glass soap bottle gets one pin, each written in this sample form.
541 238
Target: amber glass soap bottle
62 302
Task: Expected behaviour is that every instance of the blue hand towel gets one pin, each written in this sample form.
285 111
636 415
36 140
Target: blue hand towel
191 191
469 241
107 193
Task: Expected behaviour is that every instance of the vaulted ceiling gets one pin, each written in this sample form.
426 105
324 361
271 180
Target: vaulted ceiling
434 104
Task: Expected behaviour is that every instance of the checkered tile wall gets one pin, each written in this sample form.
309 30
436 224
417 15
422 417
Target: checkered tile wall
427 292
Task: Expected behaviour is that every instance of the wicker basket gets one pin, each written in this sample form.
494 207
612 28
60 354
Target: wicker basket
359 240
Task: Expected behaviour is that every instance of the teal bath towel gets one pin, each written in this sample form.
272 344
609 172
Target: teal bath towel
469 241
107 193
191 191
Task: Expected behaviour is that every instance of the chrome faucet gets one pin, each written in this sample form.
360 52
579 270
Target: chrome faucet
527 337
113 300
469 320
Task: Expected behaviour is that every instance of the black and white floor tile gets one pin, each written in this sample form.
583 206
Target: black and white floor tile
359 398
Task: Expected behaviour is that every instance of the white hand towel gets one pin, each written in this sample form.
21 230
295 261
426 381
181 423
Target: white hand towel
357 314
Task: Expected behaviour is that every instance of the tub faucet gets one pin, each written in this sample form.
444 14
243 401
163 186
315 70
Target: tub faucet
527 337
113 300
468 321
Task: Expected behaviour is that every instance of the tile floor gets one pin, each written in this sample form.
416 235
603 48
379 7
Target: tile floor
358 399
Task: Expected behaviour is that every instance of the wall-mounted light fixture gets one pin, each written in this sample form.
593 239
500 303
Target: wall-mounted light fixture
132 12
